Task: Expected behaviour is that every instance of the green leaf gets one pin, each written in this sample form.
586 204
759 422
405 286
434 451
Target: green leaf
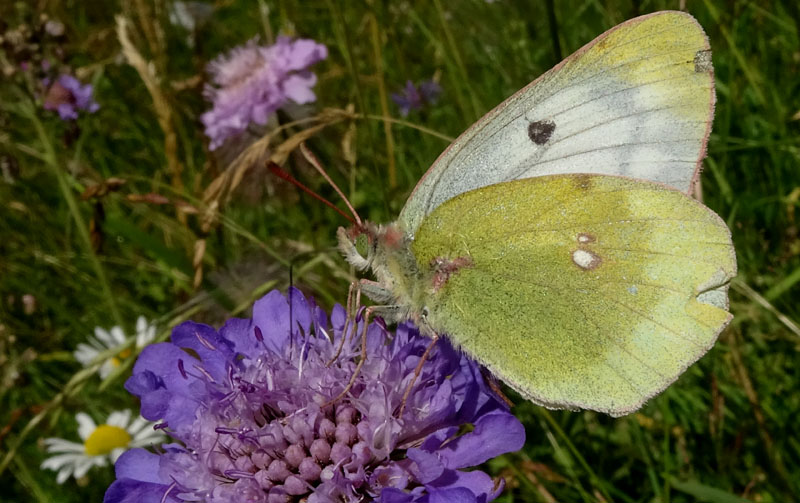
705 493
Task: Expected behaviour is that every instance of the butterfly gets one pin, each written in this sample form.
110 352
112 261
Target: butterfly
555 241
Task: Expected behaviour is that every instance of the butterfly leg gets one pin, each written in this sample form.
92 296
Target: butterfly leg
417 371
377 292
491 381
353 304
363 358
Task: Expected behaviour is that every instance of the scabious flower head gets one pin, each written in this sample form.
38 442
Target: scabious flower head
249 407
414 97
100 444
67 96
253 81
104 340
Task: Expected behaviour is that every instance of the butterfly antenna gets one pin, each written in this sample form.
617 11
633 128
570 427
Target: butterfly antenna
279 172
311 158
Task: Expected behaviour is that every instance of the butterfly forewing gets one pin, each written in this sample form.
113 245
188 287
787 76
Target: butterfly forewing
637 101
578 290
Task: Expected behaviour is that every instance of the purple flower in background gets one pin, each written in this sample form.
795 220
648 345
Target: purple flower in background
415 97
249 406
67 96
252 81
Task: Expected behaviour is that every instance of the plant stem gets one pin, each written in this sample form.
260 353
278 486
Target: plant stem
51 160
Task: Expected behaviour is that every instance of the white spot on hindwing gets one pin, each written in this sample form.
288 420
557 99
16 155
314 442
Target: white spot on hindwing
585 259
582 257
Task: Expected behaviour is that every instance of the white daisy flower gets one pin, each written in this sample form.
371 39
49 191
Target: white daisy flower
104 340
101 444
145 332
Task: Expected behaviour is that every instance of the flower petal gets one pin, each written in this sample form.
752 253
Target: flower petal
61 445
452 495
392 495
139 464
476 482
117 335
494 434
86 425
104 337
119 418
134 491
298 88
428 467
214 351
64 474
60 461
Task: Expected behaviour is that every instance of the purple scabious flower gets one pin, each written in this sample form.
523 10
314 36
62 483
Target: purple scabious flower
249 407
252 81
414 97
67 96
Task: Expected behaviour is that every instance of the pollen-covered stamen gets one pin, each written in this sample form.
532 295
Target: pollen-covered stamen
380 322
205 342
237 474
169 490
202 372
360 314
231 376
205 373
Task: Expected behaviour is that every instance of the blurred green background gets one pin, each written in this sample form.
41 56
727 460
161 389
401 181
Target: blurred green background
156 246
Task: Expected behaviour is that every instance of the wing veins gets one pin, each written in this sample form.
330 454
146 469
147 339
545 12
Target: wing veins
657 323
571 85
568 86
608 69
623 348
615 146
651 252
599 124
525 280
583 225
601 333
622 90
565 291
480 127
617 343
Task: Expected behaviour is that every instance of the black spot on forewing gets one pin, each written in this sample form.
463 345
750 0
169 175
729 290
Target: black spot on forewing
540 131
702 61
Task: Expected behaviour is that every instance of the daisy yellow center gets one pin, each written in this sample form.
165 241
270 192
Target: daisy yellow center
117 360
105 438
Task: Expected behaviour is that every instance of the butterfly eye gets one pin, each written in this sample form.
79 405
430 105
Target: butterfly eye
354 248
364 245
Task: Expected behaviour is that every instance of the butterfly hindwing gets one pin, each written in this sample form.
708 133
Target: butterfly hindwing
578 290
637 101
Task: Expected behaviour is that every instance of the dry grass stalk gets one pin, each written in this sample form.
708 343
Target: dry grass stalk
219 190
147 73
